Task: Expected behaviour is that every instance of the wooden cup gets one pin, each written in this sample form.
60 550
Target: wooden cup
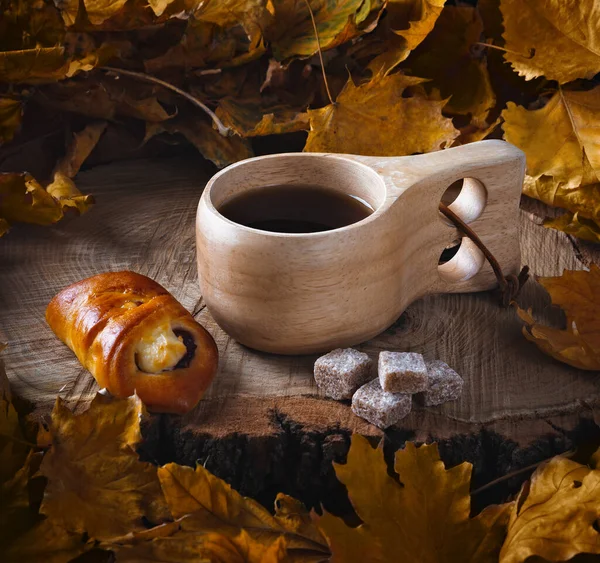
307 293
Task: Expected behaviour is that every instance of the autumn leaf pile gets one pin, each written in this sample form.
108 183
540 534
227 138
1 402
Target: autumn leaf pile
411 75
78 491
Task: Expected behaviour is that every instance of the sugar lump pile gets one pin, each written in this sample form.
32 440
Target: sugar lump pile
386 399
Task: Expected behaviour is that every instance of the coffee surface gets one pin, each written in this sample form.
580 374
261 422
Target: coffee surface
295 208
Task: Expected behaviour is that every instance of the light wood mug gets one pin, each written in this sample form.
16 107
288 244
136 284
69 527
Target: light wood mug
306 293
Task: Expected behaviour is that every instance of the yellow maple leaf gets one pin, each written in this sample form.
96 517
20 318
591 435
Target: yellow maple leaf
558 39
389 124
407 24
11 114
554 518
578 294
93 470
208 503
423 518
559 139
446 57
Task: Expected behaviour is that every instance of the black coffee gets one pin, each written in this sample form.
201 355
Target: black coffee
297 208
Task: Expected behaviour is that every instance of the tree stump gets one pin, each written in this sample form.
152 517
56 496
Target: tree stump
263 425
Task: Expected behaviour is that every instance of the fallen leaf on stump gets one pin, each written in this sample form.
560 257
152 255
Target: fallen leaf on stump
555 517
578 294
425 516
558 39
389 124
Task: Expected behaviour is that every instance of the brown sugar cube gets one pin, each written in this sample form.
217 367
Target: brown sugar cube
341 372
378 407
444 384
402 372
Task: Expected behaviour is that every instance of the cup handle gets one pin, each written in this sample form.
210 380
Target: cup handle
492 173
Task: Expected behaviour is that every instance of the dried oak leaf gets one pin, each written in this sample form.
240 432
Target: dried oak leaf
220 150
33 66
47 542
425 517
13 450
389 124
292 34
406 25
63 188
446 56
103 98
578 294
80 148
24 536
11 114
558 39
26 25
98 11
206 503
250 118
573 224
206 44
560 139
555 515
49 64
96 483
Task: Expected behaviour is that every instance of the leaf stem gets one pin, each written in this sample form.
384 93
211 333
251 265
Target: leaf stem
492 46
18 440
512 474
314 23
510 285
225 131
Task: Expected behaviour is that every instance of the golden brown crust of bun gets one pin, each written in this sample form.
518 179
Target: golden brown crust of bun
102 320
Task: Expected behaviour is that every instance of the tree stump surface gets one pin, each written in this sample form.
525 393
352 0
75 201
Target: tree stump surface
263 425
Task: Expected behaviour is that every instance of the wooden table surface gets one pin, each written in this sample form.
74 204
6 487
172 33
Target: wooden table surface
143 220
